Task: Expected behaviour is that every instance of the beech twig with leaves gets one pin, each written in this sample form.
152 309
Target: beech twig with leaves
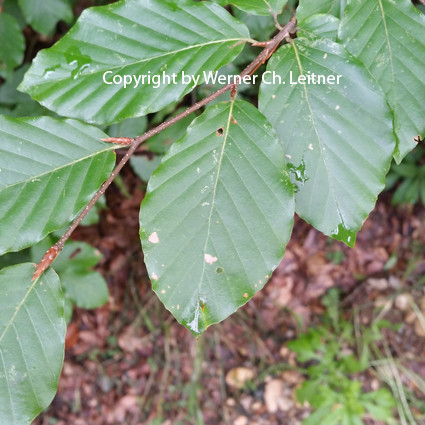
269 48
336 104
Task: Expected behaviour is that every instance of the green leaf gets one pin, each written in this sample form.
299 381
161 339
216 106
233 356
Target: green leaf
261 28
225 187
407 170
389 38
306 345
83 286
87 289
8 93
422 190
319 415
44 15
32 342
379 404
12 45
132 38
161 142
260 7
12 8
337 137
21 105
144 166
321 25
407 192
49 170
131 127
308 8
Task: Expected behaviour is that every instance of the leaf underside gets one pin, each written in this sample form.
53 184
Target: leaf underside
49 171
217 215
389 38
32 342
337 137
132 37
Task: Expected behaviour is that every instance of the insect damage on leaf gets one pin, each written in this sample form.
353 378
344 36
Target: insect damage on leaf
210 259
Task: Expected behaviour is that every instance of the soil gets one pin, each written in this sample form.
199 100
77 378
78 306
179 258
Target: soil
129 362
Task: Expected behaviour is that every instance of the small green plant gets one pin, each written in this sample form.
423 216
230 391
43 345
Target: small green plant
408 178
335 397
312 133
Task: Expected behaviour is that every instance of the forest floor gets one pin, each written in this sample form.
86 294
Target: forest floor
129 362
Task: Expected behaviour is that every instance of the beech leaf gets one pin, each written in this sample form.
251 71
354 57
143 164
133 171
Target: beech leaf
144 41
336 130
389 38
217 215
49 170
32 342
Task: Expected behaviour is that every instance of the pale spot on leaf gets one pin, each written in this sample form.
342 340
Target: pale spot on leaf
245 295
153 238
210 259
154 276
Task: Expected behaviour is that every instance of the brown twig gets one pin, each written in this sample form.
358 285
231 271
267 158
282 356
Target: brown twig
269 48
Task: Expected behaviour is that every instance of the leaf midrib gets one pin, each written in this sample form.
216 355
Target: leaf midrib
113 147
390 52
140 61
331 188
225 137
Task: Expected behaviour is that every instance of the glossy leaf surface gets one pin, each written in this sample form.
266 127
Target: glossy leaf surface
217 215
141 38
337 138
32 342
49 170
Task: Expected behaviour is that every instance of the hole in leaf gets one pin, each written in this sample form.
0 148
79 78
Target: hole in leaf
220 131
219 270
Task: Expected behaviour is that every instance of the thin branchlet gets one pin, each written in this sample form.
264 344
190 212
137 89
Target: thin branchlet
134 143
